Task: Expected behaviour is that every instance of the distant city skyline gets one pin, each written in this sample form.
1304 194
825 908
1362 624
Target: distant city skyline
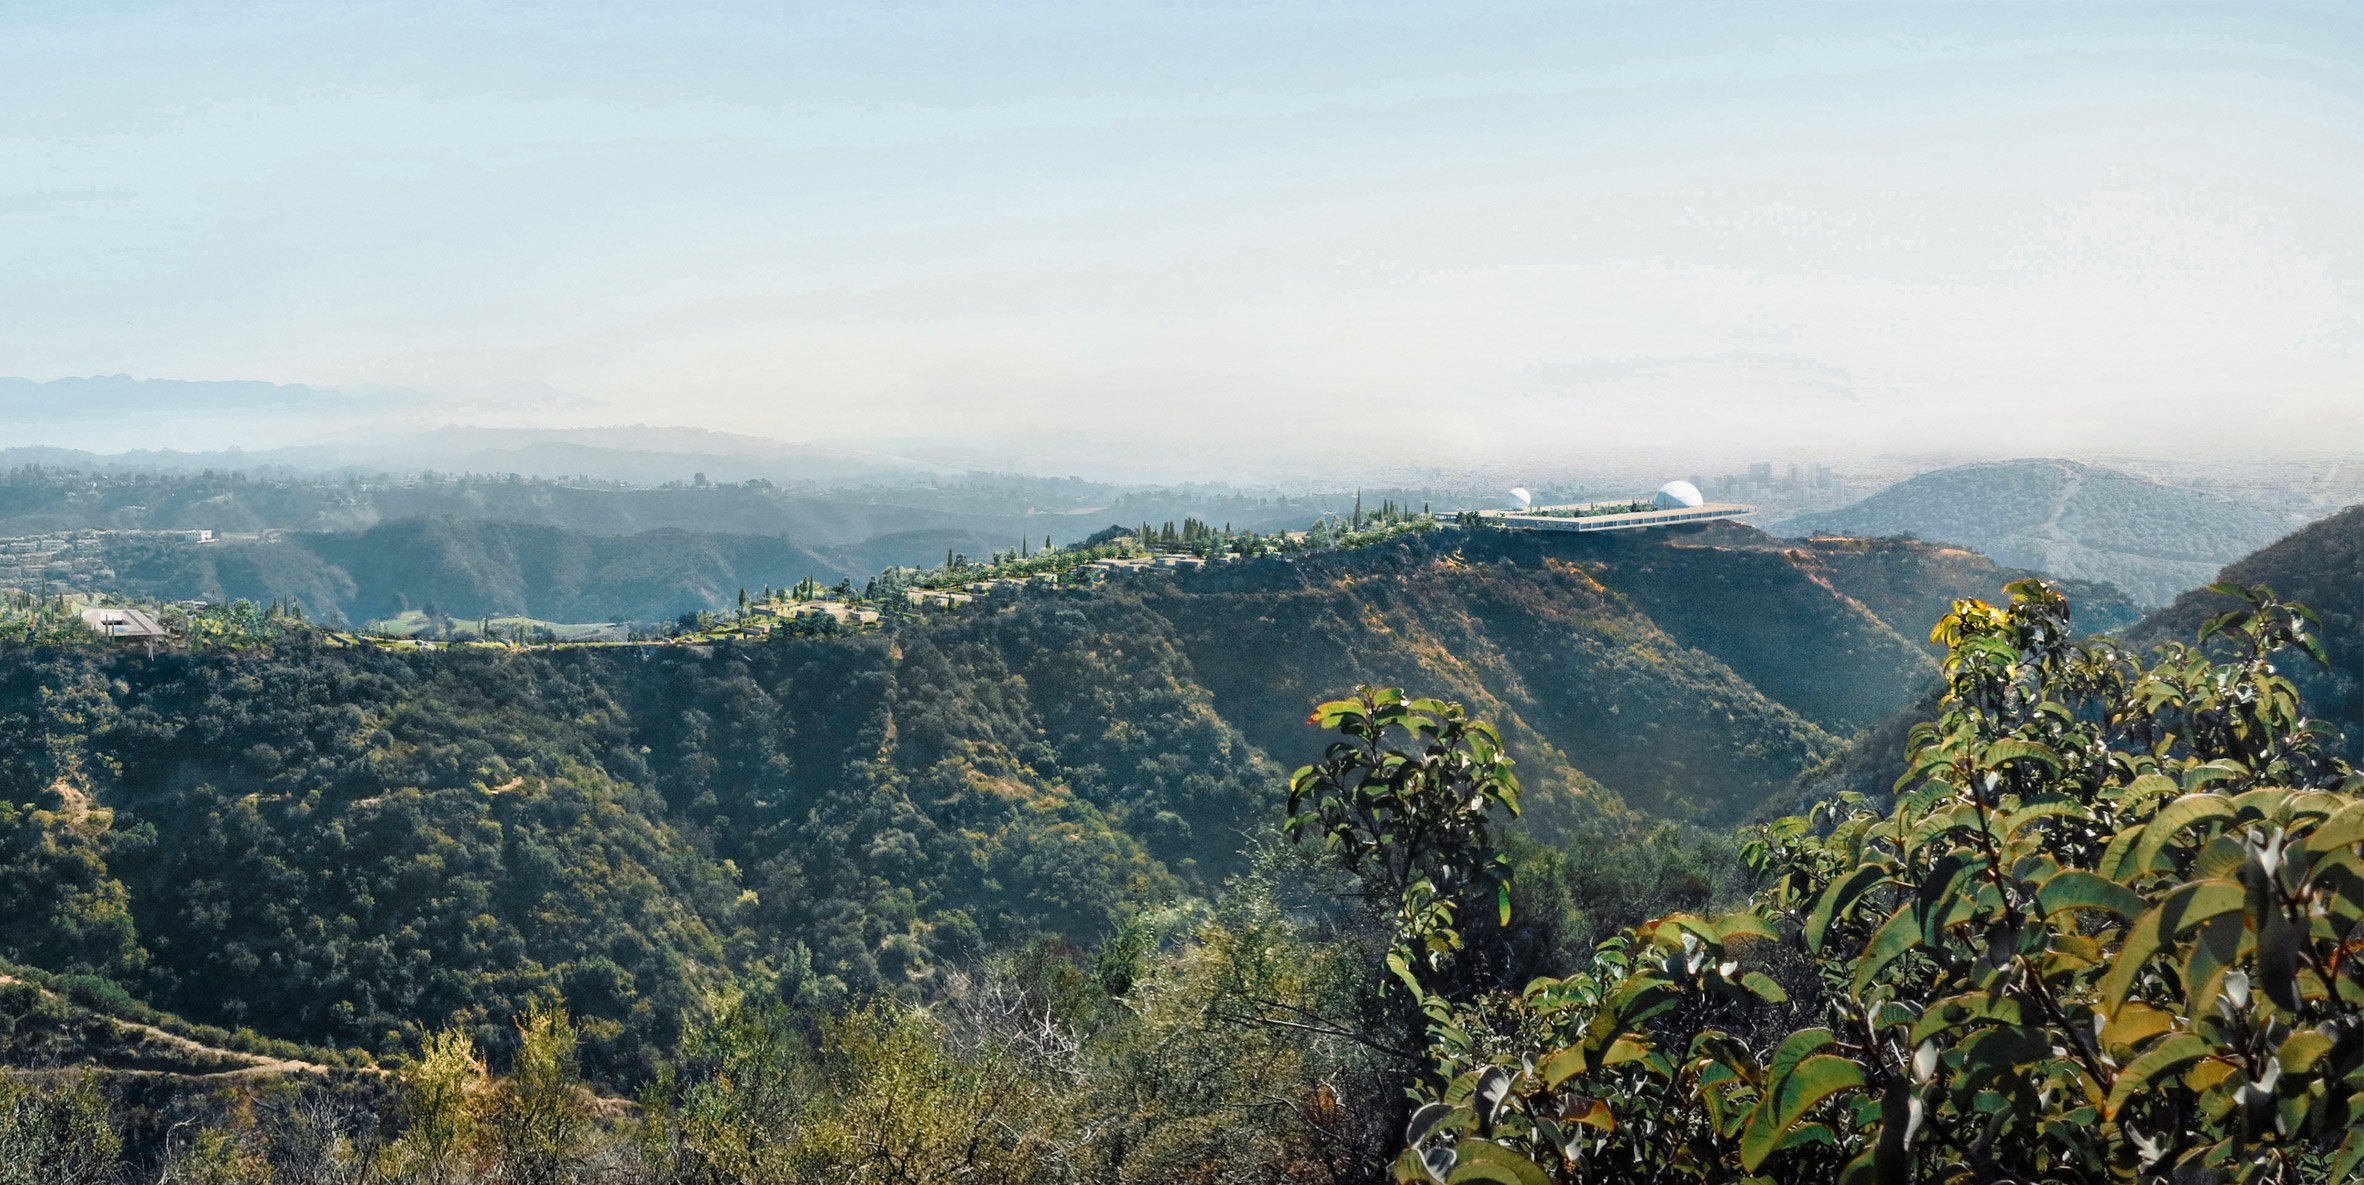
1458 233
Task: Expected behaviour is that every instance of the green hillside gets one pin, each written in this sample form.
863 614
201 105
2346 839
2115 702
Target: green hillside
339 845
2321 567
2067 519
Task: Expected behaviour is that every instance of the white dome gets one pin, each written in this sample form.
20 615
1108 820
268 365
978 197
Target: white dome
1677 495
1520 499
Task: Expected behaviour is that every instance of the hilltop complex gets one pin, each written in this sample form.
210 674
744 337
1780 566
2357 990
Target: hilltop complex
1675 502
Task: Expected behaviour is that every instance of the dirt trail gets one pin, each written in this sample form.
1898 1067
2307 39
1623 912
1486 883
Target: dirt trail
253 1065
2050 537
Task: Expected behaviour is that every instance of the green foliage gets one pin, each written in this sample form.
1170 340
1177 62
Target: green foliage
727 1112
536 1118
55 1134
2106 932
441 1092
1405 803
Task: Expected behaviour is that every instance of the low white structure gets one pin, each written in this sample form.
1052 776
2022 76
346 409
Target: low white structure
1675 503
130 625
1678 495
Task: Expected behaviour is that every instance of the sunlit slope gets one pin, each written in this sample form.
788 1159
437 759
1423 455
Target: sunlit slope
2321 567
2064 518
340 845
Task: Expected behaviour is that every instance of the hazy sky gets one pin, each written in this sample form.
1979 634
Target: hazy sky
1445 224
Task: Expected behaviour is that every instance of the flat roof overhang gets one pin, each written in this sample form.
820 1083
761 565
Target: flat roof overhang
1632 520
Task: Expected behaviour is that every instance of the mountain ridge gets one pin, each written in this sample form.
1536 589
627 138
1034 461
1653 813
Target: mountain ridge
2069 519
629 826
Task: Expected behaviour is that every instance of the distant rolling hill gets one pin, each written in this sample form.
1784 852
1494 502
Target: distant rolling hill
2068 519
2320 566
472 567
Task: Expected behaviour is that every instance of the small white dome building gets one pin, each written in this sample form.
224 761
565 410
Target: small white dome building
1521 500
1677 495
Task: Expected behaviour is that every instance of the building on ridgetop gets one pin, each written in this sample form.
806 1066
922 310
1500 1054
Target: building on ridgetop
125 625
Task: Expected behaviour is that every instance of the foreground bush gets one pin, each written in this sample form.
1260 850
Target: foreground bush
2109 930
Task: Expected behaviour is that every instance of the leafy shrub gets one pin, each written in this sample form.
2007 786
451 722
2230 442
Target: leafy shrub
2108 931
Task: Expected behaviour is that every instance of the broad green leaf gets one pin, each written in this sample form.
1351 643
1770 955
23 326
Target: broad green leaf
2280 946
1412 1168
2302 1049
1994 1053
1840 897
2134 1024
2117 859
1788 1097
2218 945
1668 930
2077 889
2017 750
2170 1056
2349 1158
1794 1049
1424 1121
1961 1011
2213 772
1590 1112
2172 820
1626 1048
2222 856
2338 831
1563 1065
1486 1161
1901 933
2186 907
2036 812
1741 922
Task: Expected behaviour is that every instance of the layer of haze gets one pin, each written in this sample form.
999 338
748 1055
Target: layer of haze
1469 230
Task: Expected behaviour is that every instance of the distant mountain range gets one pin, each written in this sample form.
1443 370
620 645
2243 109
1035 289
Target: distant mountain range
2064 518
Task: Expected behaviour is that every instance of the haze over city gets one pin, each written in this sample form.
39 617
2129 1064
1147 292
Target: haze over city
1042 232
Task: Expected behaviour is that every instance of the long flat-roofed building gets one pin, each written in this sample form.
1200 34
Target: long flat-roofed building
1675 502
125 624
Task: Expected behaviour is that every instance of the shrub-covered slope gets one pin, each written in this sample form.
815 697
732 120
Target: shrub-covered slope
2067 519
2321 567
339 845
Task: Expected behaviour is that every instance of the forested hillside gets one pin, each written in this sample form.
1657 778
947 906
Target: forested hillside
337 845
472 567
2321 567
568 550
2067 519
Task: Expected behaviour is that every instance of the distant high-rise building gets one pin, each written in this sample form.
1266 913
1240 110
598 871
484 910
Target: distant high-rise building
1760 473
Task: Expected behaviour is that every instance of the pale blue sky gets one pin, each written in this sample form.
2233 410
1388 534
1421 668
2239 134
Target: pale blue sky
1473 223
